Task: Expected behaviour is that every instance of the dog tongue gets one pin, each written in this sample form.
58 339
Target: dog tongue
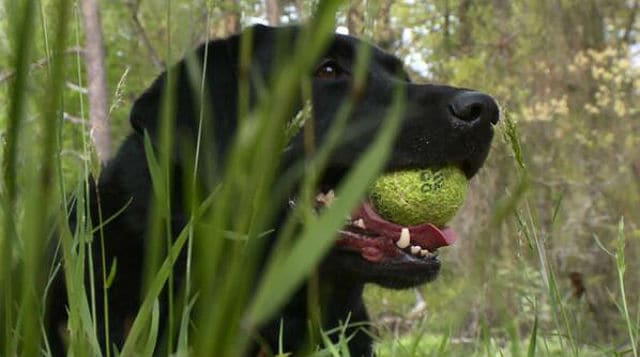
426 235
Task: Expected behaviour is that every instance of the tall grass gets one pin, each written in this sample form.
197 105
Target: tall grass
222 272
225 296
566 326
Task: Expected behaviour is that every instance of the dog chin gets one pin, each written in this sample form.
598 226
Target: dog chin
398 274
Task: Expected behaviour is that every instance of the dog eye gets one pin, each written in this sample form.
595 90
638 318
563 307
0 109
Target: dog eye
329 69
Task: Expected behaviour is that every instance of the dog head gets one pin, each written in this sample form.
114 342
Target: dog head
441 125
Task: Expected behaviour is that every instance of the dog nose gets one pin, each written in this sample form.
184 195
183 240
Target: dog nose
475 108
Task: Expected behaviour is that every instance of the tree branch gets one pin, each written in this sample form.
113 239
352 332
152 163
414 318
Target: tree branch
73 119
142 34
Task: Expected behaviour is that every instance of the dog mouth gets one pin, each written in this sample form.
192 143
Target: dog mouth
378 240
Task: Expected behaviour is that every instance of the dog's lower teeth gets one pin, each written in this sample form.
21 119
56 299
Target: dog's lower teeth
415 249
424 252
326 199
359 223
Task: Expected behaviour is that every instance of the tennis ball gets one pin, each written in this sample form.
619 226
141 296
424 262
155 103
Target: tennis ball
415 197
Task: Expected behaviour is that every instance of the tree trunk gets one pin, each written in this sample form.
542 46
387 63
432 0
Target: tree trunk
355 18
273 12
233 18
227 21
631 19
583 23
446 31
97 79
465 41
383 33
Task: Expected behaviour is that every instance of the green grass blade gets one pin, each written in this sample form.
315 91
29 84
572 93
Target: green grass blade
315 240
22 46
531 351
621 268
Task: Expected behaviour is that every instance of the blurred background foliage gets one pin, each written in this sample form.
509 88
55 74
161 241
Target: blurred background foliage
566 72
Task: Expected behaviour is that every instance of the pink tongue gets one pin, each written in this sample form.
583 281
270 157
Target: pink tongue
424 235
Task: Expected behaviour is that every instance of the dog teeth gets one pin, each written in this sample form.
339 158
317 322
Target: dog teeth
405 239
424 252
359 223
331 195
326 198
415 249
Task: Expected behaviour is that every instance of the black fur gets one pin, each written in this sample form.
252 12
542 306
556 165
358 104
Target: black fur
441 125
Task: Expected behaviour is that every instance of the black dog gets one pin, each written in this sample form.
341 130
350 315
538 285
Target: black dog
441 125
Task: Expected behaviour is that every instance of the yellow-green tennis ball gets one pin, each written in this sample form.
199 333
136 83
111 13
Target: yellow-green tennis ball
415 197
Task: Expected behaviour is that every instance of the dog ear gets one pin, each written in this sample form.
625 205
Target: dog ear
145 109
221 74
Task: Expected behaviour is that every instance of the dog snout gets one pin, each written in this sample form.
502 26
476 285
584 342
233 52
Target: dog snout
474 108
